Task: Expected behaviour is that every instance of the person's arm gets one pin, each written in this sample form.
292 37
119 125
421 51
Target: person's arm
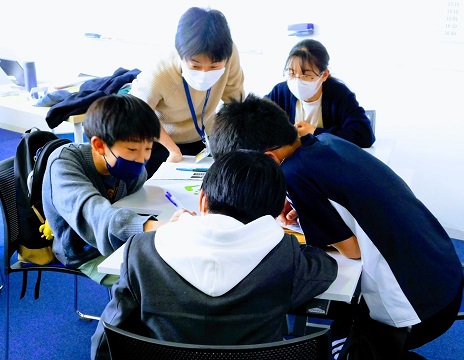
86 214
175 155
147 86
152 225
343 116
349 248
315 271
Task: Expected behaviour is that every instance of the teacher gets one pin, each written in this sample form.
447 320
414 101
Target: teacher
186 88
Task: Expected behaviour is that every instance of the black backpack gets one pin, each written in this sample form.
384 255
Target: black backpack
29 167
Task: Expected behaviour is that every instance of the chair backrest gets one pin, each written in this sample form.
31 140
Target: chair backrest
127 345
9 210
371 115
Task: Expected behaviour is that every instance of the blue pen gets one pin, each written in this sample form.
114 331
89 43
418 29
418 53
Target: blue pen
173 200
193 169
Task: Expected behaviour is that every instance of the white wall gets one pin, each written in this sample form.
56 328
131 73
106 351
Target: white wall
392 54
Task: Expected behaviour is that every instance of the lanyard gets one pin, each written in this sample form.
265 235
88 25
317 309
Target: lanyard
201 131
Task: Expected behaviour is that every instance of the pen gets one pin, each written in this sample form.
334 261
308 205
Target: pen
193 169
173 200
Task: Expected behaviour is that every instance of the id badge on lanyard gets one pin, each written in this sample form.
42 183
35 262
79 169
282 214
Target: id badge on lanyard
205 152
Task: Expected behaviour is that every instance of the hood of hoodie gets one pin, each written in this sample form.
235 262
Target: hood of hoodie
215 252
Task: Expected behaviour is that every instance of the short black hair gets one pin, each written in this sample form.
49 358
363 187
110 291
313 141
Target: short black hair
121 117
255 124
204 32
245 185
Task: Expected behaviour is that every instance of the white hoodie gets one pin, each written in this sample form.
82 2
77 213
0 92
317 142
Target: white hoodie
215 252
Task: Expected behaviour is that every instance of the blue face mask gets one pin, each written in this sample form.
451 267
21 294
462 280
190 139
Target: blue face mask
126 170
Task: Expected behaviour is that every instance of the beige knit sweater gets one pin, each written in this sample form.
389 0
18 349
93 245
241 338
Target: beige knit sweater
162 88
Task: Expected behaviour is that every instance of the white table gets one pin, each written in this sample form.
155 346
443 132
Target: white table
382 149
151 200
342 289
17 113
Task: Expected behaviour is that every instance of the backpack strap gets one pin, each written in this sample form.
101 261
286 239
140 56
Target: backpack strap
24 286
37 284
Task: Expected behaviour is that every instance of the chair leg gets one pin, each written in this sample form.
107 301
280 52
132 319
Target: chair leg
6 286
3 281
82 316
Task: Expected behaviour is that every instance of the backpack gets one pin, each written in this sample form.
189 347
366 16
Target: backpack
30 163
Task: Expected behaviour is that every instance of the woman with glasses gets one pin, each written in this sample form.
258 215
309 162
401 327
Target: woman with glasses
315 101
186 87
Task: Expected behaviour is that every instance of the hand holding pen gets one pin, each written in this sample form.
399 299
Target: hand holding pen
180 209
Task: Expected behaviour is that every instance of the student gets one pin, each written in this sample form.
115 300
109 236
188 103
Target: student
227 277
315 101
82 181
412 278
186 88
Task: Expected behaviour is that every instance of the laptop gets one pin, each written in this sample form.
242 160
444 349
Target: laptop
13 70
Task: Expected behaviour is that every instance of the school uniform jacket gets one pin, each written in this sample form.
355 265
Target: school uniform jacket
213 280
410 267
341 113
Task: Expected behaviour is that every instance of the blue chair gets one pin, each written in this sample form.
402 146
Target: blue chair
371 114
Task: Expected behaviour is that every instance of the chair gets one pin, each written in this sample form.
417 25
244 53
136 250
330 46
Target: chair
460 315
11 240
126 345
371 114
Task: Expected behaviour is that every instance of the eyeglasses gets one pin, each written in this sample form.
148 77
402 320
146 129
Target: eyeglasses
308 76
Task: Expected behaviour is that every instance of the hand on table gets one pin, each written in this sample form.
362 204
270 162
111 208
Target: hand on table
174 157
179 212
152 225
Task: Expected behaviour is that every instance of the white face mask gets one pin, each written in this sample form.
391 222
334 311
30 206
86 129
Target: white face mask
201 80
303 89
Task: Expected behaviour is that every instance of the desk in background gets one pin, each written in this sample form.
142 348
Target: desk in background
382 149
17 113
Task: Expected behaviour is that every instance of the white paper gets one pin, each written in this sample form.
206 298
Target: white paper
169 170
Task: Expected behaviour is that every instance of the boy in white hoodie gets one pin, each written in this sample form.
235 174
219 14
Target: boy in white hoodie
227 277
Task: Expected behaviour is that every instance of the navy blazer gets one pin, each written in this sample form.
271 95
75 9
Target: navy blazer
341 113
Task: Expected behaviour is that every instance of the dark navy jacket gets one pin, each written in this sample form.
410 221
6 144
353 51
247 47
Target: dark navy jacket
405 243
78 103
341 113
